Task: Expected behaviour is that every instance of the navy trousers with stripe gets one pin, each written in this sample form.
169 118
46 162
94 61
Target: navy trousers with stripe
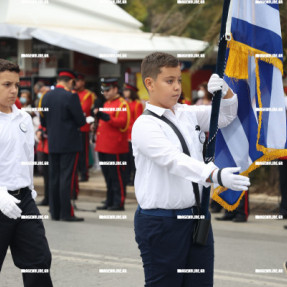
166 249
115 177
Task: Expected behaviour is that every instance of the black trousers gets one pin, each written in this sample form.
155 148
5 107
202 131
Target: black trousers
44 170
131 168
83 165
283 187
115 177
63 169
166 246
27 241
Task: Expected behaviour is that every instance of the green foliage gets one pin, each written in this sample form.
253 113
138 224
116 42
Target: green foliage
137 9
200 21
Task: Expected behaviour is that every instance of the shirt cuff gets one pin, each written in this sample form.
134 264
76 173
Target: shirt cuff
206 173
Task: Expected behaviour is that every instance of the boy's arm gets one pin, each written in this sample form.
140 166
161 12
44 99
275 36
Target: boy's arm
30 152
150 140
227 113
228 105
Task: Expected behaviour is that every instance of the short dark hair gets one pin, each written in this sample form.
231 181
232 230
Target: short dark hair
65 79
134 95
152 64
39 84
6 65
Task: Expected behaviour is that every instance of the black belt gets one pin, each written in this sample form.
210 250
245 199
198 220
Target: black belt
18 191
169 212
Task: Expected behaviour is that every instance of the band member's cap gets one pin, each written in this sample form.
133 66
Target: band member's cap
67 73
80 76
130 87
107 83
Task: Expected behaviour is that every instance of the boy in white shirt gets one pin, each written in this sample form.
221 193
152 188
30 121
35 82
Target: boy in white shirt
25 237
164 175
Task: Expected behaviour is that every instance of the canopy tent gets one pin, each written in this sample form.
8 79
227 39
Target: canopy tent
97 28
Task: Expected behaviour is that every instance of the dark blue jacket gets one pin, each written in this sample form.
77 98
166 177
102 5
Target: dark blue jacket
63 120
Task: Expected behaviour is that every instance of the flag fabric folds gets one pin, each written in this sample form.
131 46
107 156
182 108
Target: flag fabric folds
254 68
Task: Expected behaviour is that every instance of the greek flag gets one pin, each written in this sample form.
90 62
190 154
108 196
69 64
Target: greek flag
254 68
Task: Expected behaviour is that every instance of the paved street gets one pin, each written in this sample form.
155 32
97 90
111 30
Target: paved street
80 250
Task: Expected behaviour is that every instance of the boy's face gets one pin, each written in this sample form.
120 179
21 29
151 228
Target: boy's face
9 85
165 90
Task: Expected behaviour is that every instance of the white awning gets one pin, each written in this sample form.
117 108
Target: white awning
101 29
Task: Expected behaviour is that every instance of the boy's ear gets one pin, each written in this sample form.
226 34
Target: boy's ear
149 83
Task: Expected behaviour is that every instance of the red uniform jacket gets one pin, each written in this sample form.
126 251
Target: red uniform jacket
136 109
112 136
87 99
43 143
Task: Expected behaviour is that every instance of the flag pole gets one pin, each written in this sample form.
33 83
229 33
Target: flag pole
220 67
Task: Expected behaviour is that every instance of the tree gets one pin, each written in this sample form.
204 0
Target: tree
201 21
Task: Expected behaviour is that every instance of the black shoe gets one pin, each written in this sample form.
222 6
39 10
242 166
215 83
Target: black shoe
285 266
239 219
285 226
103 207
72 219
116 208
226 217
44 202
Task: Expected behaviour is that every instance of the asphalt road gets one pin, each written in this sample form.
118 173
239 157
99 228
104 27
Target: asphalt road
83 251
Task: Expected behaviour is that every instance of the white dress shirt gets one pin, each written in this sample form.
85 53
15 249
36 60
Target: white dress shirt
163 172
16 149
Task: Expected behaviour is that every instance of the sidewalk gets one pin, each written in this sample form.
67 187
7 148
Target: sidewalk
96 187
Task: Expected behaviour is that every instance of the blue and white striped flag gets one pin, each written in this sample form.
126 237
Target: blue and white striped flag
254 70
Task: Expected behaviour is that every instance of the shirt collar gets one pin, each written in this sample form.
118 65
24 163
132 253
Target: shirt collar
159 110
15 112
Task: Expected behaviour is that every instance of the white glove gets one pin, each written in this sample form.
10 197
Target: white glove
8 204
230 180
215 84
90 119
34 194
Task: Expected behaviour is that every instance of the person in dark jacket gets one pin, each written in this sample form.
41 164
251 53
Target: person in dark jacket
63 121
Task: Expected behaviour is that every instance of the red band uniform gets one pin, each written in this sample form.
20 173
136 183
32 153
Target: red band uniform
136 109
112 146
87 99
